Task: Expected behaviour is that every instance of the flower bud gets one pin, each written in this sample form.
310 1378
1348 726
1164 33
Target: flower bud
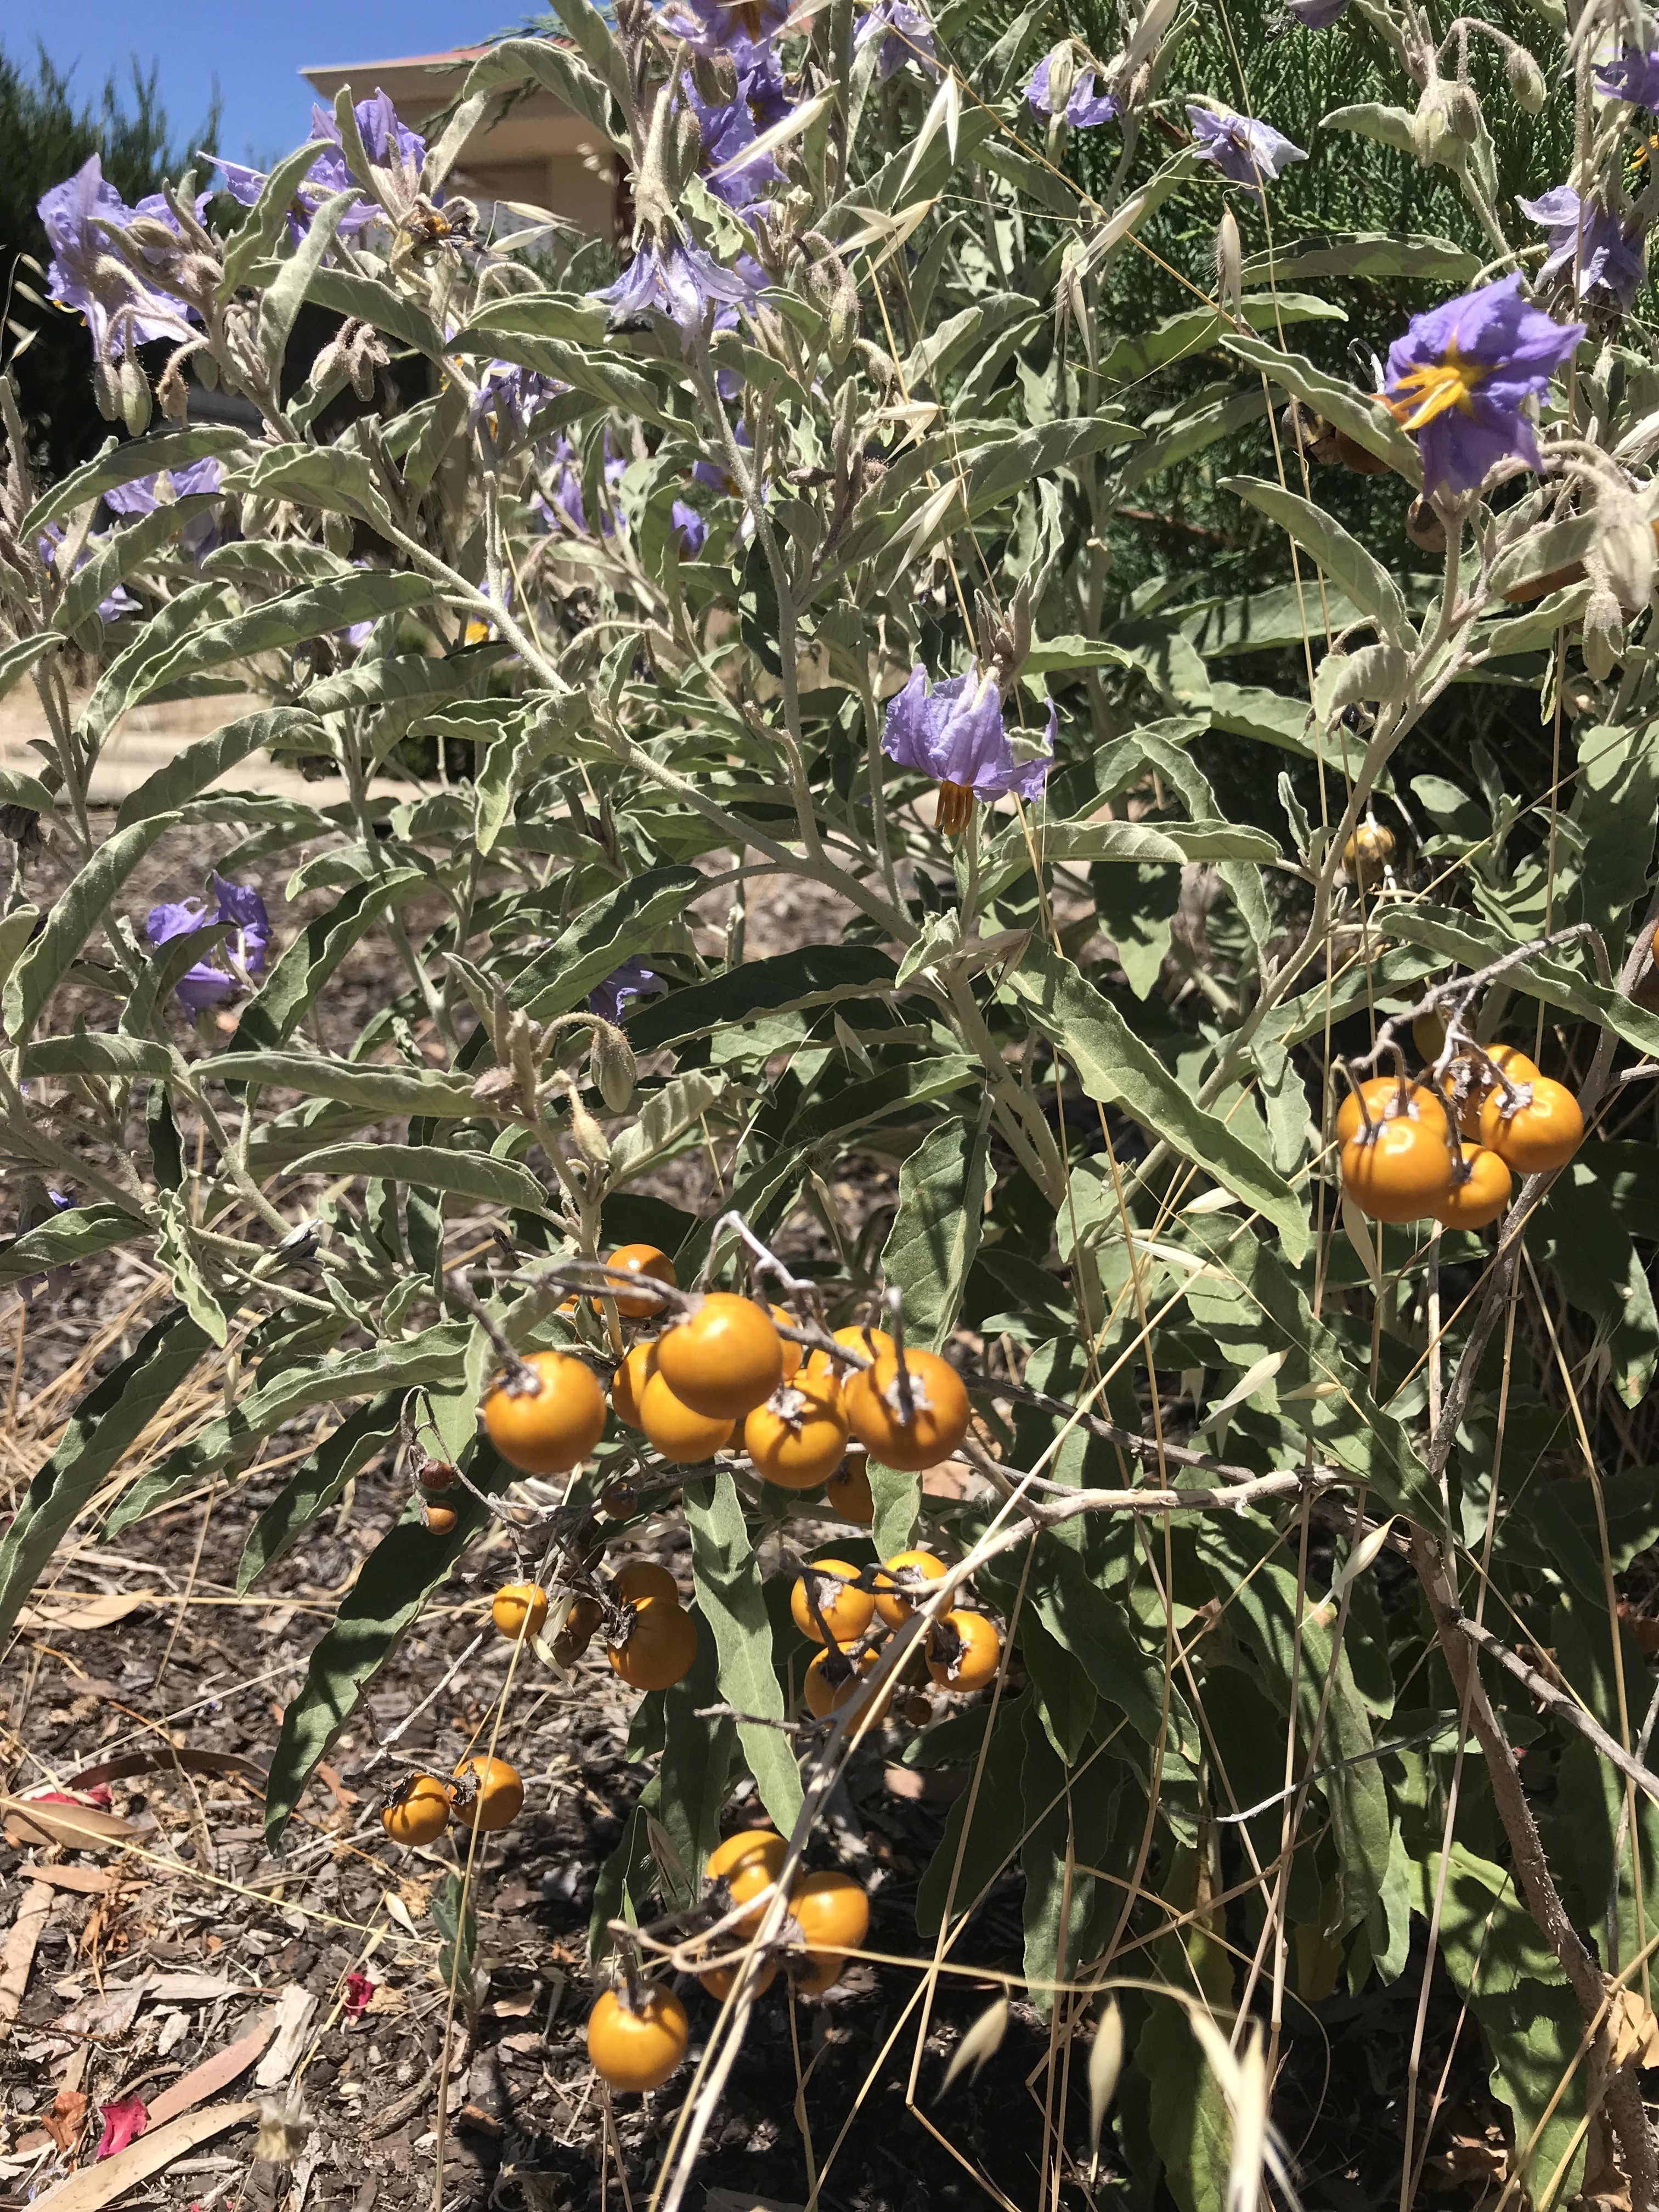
590 1139
1424 526
1625 557
207 370
1228 264
688 146
1062 75
1447 117
134 389
171 390
610 1058
1526 81
1604 634
106 390
843 317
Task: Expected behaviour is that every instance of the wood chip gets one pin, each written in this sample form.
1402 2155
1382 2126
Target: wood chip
78 1828
15 1960
212 2073
295 2010
77 1609
198 1988
153 2151
107 2016
187 1756
91 1882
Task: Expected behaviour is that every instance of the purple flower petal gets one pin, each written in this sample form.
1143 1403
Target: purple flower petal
679 282
1607 253
954 732
1082 108
691 529
1247 152
1458 378
633 979
1632 75
906 35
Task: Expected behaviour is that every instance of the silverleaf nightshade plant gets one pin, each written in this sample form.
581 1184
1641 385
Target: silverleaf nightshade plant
892 733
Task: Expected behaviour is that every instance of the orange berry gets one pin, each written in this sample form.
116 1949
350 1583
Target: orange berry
845 1612
1428 1035
871 1341
1401 1169
520 1610
437 1474
678 1433
486 1794
440 1519
419 1813
963 1651
833 1914
639 1579
662 1643
799 1437
720 1981
793 1353
1383 1098
724 1359
938 1411
635 2051
847 1490
630 1380
548 1430
1482 1195
638 1260
1533 1132
749 1870
747 1847
825 1694
900 1588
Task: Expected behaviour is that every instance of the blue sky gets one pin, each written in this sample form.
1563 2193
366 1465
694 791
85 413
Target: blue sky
255 48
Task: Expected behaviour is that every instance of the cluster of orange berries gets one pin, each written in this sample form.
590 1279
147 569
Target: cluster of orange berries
831 1604
637 2039
1411 1152
483 1793
718 1373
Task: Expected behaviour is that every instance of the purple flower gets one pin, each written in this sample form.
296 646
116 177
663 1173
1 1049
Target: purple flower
115 604
719 26
567 509
1314 15
1245 151
679 282
242 910
691 529
1084 106
727 132
86 272
716 474
905 34
1594 240
1457 379
510 397
145 494
633 979
955 734
388 142
1632 75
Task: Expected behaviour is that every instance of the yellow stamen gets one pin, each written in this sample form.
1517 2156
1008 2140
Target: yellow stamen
1423 394
956 809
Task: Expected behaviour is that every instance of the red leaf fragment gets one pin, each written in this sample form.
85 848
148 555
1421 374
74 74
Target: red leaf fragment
124 2120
